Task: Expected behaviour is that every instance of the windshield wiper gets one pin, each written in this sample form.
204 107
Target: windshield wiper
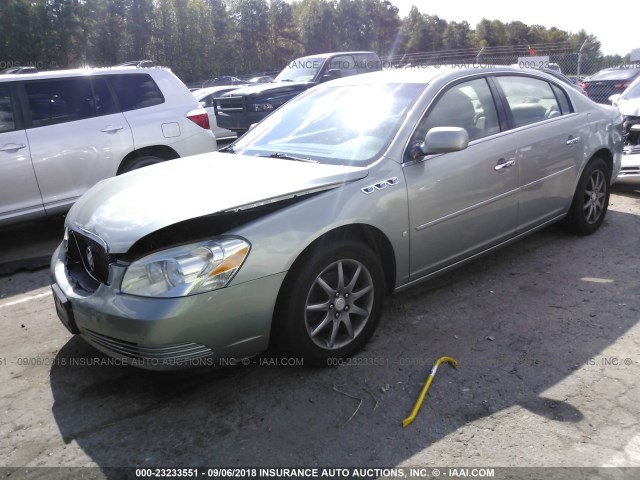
227 149
285 156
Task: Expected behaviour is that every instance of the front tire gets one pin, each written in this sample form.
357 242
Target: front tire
330 303
591 199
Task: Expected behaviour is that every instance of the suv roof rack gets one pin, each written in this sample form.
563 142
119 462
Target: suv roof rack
137 63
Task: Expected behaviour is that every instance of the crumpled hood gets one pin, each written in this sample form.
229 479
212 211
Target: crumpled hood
270 88
630 108
123 209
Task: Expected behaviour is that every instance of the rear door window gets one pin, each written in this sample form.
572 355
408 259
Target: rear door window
104 101
135 91
530 100
59 100
7 119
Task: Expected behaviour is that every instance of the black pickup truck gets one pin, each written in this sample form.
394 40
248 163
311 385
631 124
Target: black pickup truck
239 109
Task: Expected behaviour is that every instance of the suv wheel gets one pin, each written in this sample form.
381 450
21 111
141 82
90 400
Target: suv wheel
140 162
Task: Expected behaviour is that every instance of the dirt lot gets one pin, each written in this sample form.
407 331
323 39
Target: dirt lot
547 334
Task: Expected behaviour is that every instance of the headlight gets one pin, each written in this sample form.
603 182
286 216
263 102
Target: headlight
261 107
186 270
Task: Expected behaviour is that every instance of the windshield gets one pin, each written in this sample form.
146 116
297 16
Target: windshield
301 70
343 125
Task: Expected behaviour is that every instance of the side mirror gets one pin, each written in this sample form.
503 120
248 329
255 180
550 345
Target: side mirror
614 99
441 140
332 75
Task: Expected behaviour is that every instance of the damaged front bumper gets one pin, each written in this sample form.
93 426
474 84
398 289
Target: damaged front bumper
167 333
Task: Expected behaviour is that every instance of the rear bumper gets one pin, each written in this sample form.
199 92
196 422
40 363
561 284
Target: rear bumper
630 171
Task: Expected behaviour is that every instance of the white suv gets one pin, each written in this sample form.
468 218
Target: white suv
63 131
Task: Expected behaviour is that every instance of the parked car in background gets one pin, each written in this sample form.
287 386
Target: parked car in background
262 79
629 104
18 70
205 96
557 74
225 80
63 131
358 187
608 82
240 109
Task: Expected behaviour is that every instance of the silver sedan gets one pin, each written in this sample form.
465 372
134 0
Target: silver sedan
293 235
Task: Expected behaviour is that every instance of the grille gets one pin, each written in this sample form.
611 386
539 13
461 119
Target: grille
87 261
229 104
632 150
629 171
171 354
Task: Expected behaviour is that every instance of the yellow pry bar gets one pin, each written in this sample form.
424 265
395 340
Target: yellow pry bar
416 407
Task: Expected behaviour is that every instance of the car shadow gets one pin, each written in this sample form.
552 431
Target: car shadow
629 190
29 246
521 322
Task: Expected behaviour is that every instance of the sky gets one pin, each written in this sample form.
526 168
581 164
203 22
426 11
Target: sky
614 24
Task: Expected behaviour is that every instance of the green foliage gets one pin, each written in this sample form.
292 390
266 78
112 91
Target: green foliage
200 39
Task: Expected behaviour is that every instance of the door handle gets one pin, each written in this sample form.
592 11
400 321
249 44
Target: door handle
111 129
572 140
11 146
502 163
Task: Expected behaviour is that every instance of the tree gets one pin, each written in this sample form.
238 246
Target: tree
491 33
284 41
140 27
316 21
250 23
457 36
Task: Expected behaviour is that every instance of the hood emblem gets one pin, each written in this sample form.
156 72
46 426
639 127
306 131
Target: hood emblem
90 260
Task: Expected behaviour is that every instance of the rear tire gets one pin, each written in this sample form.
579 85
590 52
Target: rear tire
591 199
330 304
141 162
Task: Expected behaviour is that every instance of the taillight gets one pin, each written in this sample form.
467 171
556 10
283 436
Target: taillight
623 84
199 118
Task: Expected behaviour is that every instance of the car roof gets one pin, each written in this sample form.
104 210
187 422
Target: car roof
426 74
333 54
203 92
77 72
616 73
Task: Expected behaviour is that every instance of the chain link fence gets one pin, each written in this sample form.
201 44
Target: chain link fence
576 64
